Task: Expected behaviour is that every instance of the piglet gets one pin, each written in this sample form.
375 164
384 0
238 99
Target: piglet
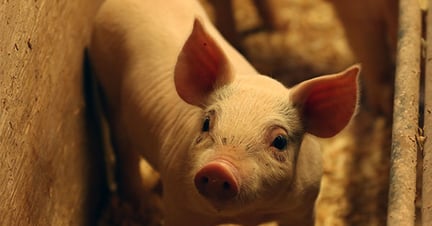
231 146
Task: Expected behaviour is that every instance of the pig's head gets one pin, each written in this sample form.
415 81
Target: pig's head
244 157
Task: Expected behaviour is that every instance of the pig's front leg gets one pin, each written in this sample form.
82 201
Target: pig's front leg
127 171
132 186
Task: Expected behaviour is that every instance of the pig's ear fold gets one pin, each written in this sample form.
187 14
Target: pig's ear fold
327 103
201 67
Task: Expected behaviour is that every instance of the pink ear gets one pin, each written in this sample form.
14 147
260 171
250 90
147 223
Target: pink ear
201 67
328 102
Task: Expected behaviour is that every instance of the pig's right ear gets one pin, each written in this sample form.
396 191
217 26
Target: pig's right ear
201 67
327 103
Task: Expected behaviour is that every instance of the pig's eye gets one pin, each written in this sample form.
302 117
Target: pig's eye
206 124
280 142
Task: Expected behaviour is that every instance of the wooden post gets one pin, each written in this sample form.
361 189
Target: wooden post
427 151
401 209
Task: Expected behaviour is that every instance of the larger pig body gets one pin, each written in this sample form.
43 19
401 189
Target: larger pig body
229 144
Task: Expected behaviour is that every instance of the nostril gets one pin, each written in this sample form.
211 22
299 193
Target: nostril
226 186
204 180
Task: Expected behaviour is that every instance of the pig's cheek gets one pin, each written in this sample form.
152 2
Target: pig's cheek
249 176
273 174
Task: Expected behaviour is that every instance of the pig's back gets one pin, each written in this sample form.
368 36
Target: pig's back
135 36
147 35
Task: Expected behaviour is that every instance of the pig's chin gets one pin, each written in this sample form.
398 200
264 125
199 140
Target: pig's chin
223 209
233 208
259 203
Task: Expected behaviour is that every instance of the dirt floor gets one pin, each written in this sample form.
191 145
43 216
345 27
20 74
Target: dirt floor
307 40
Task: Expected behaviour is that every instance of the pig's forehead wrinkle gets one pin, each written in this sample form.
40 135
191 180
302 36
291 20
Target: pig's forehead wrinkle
255 108
253 86
257 97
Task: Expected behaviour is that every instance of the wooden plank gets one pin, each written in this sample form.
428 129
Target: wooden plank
427 151
401 209
48 167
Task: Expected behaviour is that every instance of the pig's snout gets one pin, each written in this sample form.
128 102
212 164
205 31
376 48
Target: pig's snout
216 181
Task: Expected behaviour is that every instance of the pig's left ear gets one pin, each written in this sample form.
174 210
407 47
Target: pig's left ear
327 103
201 67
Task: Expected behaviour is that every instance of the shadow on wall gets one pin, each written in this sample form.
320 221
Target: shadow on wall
99 187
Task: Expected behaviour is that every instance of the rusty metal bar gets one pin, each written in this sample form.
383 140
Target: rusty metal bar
401 209
427 150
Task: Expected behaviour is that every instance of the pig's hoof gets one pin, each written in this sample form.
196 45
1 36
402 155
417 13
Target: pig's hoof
216 181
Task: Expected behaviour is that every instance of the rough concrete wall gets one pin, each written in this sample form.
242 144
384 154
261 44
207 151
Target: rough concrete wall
49 172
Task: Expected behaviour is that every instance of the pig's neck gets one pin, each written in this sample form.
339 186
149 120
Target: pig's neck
176 137
156 118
